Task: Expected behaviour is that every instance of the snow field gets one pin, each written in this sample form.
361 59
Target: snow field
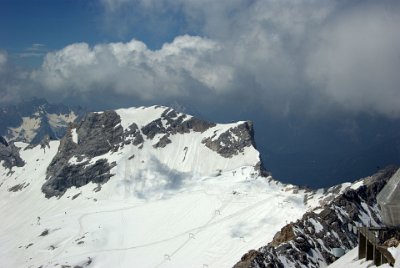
74 135
208 220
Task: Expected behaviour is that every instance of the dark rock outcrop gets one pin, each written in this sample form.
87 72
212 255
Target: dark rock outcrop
170 123
227 144
284 235
233 141
309 241
98 133
254 256
18 187
9 154
262 170
44 143
3 141
133 135
164 141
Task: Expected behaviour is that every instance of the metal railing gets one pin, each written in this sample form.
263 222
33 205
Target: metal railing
370 245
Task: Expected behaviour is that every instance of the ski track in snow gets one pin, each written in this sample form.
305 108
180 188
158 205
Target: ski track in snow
183 233
215 219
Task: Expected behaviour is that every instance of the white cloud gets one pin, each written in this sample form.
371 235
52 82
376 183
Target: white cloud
285 56
12 80
35 50
356 60
132 68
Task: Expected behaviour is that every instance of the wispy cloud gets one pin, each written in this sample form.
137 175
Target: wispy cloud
35 50
13 80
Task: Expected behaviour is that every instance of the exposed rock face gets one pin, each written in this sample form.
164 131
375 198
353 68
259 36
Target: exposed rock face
133 135
44 143
9 154
233 141
254 256
228 144
164 141
284 235
18 187
310 242
263 172
174 124
97 134
3 141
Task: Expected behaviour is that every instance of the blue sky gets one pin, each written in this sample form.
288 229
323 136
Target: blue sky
30 29
50 24
298 68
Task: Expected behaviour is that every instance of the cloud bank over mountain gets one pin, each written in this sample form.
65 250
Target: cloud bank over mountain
282 56
132 68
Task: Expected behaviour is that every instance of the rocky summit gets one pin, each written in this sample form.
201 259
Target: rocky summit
79 158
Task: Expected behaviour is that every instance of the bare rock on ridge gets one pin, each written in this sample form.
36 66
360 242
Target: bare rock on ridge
98 133
9 154
233 141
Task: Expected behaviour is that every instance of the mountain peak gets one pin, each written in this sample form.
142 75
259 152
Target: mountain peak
178 142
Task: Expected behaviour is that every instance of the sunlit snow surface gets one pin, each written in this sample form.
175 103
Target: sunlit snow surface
74 135
156 211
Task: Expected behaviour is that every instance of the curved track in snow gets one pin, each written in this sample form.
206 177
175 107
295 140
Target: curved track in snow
212 221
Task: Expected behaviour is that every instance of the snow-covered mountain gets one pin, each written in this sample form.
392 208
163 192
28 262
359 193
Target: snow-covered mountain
30 121
144 187
309 241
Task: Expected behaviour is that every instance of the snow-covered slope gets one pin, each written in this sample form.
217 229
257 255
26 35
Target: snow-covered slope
143 187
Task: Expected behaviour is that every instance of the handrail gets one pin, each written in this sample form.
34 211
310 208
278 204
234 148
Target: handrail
386 253
371 237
